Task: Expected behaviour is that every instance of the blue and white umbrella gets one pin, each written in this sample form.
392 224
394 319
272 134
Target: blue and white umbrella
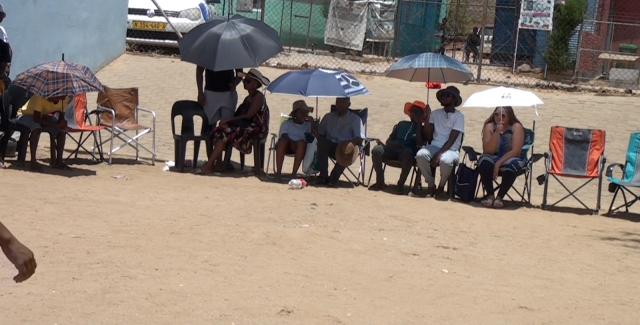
318 83
429 67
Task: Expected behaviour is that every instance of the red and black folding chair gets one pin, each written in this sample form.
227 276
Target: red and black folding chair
574 153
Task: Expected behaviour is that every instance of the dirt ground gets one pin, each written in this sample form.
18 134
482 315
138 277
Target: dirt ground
132 244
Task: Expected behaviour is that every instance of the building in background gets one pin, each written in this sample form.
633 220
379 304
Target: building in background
90 32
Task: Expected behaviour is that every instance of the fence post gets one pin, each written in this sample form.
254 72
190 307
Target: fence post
578 50
481 53
262 10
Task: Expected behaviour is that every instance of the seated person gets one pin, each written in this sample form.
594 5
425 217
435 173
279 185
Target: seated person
502 141
445 129
471 45
401 145
247 124
46 113
12 100
295 132
340 130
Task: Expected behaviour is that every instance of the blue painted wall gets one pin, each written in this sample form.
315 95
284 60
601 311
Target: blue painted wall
91 32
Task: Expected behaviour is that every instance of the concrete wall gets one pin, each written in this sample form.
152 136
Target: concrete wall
90 32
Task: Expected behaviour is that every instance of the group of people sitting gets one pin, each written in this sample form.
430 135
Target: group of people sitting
429 139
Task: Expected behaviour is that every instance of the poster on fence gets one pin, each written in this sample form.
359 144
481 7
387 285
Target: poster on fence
346 24
536 14
381 20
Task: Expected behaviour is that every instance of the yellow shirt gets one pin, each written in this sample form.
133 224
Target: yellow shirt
44 106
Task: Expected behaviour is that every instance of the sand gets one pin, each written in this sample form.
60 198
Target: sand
132 244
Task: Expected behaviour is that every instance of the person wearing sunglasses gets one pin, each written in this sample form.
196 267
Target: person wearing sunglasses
502 141
444 130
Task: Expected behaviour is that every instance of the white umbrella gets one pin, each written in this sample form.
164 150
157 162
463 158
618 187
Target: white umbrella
503 96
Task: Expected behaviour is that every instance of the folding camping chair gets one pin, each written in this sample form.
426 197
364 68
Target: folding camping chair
630 176
522 195
575 153
271 158
78 122
360 175
118 112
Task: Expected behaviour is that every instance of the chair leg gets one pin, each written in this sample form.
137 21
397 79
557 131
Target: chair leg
613 200
544 193
196 153
241 161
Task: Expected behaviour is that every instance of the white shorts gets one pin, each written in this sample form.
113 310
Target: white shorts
220 105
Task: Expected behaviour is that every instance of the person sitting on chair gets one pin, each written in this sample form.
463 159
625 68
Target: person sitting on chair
247 124
46 113
445 129
471 45
294 135
340 130
401 145
502 141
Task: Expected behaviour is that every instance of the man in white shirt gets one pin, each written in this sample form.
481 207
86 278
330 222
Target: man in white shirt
444 130
340 128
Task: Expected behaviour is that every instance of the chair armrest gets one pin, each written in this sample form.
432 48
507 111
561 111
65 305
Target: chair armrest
148 111
611 167
536 156
471 153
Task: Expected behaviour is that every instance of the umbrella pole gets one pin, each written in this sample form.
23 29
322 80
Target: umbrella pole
317 107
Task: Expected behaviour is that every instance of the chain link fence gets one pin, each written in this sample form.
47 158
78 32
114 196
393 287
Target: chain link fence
367 36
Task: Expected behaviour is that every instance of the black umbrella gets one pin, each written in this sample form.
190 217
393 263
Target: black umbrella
230 43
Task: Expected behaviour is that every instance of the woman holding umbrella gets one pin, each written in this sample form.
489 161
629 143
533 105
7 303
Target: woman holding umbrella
248 123
502 140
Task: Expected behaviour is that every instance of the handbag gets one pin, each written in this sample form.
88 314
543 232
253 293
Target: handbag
466 182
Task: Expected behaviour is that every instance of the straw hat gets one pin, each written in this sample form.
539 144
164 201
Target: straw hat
455 92
346 154
300 105
416 104
255 74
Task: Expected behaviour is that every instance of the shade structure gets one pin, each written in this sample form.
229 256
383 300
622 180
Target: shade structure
230 43
318 83
429 67
503 96
59 78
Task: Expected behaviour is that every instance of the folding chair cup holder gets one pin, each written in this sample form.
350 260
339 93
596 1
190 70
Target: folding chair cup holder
118 112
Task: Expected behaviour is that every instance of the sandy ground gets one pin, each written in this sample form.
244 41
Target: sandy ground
131 244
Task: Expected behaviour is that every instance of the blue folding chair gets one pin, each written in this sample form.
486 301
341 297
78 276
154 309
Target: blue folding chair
630 177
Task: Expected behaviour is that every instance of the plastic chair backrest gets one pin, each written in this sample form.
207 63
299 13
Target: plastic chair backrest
632 168
124 101
576 152
188 110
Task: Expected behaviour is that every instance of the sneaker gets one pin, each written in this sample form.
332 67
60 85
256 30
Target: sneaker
487 202
441 195
377 187
498 204
431 191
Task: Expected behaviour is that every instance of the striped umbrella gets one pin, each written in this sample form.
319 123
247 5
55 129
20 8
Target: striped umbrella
429 67
57 79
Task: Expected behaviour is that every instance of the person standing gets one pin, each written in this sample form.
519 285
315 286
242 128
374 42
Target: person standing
217 95
5 52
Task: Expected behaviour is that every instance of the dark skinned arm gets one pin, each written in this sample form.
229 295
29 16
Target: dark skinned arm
18 254
256 105
199 84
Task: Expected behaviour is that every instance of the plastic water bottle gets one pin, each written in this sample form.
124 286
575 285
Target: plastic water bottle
297 184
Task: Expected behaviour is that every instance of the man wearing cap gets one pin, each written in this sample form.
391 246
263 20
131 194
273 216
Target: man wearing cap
340 134
401 145
445 129
5 51
294 135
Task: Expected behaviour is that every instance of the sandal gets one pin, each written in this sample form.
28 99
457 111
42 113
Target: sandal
487 202
498 204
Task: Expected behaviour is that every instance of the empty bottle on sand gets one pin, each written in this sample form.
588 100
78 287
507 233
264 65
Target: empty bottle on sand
297 184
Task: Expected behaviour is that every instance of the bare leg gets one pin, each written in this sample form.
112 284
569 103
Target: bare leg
300 149
216 154
281 150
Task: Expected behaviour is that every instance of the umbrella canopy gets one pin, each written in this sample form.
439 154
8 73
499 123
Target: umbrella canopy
429 67
318 83
503 96
234 43
55 79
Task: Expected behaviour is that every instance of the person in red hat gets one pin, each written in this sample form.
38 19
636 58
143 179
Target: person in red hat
402 145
